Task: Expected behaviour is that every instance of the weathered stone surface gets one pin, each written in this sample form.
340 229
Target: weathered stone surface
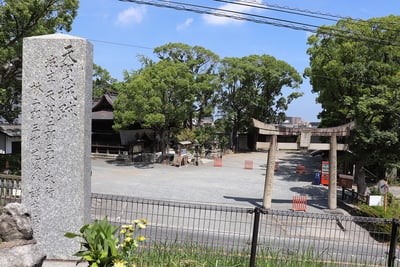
18 249
22 256
15 223
56 138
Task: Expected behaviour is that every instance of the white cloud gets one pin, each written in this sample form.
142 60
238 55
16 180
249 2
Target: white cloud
221 20
131 15
185 25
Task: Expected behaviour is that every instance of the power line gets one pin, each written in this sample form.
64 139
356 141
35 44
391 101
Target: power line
309 13
262 19
212 12
227 13
287 10
121 44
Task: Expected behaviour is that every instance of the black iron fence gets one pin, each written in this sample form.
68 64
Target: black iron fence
257 236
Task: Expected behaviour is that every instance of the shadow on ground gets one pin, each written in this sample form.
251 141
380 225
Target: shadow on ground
139 165
286 167
257 202
317 195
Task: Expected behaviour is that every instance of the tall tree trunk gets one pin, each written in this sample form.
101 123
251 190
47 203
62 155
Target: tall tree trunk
360 178
199 116
162 144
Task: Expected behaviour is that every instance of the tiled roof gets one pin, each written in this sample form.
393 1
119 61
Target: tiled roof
104 102
11 130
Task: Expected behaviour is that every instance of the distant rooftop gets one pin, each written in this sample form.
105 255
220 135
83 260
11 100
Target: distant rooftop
11 130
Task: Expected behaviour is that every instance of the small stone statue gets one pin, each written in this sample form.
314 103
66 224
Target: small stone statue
17 246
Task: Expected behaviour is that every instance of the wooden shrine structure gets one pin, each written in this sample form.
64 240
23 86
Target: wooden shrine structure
304 134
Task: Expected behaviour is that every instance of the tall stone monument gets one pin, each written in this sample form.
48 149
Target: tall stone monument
56 138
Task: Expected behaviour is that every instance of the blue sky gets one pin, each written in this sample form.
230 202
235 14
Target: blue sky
120 31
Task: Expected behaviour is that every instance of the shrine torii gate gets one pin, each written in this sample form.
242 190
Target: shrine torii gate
305 134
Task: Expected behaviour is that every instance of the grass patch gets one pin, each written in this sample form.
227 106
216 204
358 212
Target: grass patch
191 255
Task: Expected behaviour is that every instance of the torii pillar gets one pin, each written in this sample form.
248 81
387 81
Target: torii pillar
332 190
269 176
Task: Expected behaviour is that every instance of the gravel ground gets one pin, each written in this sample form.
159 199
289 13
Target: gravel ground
231 184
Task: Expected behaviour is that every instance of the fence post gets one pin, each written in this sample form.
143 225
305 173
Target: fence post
254 239
393 243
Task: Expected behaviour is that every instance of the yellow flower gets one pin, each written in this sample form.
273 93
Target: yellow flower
143 221
128 239
123 231
141 238
131 228
124 226
141 225
119 263
129 235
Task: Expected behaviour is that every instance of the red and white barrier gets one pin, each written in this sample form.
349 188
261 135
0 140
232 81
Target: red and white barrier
299 203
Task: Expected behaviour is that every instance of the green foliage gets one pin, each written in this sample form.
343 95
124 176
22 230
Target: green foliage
128 242
354 69
98 245
13 161
102 81
8 98
186 135
252 88
101 247
20 19
189 83
156 96
202 66
194 255
206 135
380 231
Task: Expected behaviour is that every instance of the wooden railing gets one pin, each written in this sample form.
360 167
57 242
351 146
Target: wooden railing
108 149
350 195
10 189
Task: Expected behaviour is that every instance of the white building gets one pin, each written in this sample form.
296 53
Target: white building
10 139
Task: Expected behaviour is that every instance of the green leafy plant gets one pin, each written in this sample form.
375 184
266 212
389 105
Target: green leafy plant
98 245
102 246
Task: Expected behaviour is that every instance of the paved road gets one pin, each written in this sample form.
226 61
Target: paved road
230 184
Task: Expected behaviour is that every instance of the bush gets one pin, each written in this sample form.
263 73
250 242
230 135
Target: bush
13 161
380 231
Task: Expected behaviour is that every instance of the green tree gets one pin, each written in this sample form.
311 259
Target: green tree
156 97
252 88
355 70
102 81
202 65
20 19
